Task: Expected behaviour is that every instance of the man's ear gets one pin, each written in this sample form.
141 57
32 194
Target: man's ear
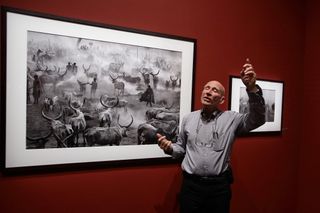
222 100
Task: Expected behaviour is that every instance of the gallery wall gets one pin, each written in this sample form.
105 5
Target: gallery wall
270 33
309 174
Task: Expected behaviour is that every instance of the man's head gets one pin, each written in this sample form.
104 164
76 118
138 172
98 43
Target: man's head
212 95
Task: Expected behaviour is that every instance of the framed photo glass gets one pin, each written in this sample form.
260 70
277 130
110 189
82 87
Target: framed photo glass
273 95
77 92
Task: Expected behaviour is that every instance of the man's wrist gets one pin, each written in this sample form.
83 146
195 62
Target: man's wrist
252 89
256 89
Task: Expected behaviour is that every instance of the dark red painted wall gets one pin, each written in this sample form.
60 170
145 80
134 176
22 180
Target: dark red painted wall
309 173
270 33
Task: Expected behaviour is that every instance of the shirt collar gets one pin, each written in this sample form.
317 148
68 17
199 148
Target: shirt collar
212 116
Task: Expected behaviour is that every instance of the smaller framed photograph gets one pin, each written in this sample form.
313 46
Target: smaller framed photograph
273 96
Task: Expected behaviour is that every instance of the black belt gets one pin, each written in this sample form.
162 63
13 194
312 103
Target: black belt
224 175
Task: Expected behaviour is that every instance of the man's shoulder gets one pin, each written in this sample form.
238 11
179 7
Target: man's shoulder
229 113
192 114
196 112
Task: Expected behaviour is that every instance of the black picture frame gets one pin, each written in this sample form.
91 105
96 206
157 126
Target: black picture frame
34 42
273 95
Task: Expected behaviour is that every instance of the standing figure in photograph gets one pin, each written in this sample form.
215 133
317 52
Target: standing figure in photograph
148 96
205 144
94 86
37 88
74 68
28 90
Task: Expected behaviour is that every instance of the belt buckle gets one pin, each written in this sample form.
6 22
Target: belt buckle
206 178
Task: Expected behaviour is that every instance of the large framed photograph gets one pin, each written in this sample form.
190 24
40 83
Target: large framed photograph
273 96
80 93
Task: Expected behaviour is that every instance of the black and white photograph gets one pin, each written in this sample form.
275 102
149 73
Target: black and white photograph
101 93
91 93
273 96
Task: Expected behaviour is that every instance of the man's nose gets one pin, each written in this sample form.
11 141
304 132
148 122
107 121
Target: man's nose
208 93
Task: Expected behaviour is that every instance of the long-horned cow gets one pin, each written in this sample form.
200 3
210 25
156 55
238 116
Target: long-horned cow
82 86
145 74
153 112
38 142
107 135
147 131
53 78
63 133
147 134
78 123
89 74
131 79
118 86
168 116
105 117
50 103
173 82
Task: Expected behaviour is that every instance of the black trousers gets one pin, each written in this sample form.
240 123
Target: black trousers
206 194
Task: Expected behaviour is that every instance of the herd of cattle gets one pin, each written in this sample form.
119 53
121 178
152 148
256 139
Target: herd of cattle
75 120
76 123
114 114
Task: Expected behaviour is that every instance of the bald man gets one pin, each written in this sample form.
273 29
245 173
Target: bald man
205 142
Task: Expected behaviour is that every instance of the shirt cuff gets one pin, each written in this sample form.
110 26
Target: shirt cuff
256 97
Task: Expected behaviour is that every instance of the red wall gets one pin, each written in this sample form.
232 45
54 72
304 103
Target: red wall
270 33
309 174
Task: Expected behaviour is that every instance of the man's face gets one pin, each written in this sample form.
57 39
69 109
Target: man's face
212 94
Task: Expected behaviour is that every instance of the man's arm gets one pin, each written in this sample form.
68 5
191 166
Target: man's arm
256 115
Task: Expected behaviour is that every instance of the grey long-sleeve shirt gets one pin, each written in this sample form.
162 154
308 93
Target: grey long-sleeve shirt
206 144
